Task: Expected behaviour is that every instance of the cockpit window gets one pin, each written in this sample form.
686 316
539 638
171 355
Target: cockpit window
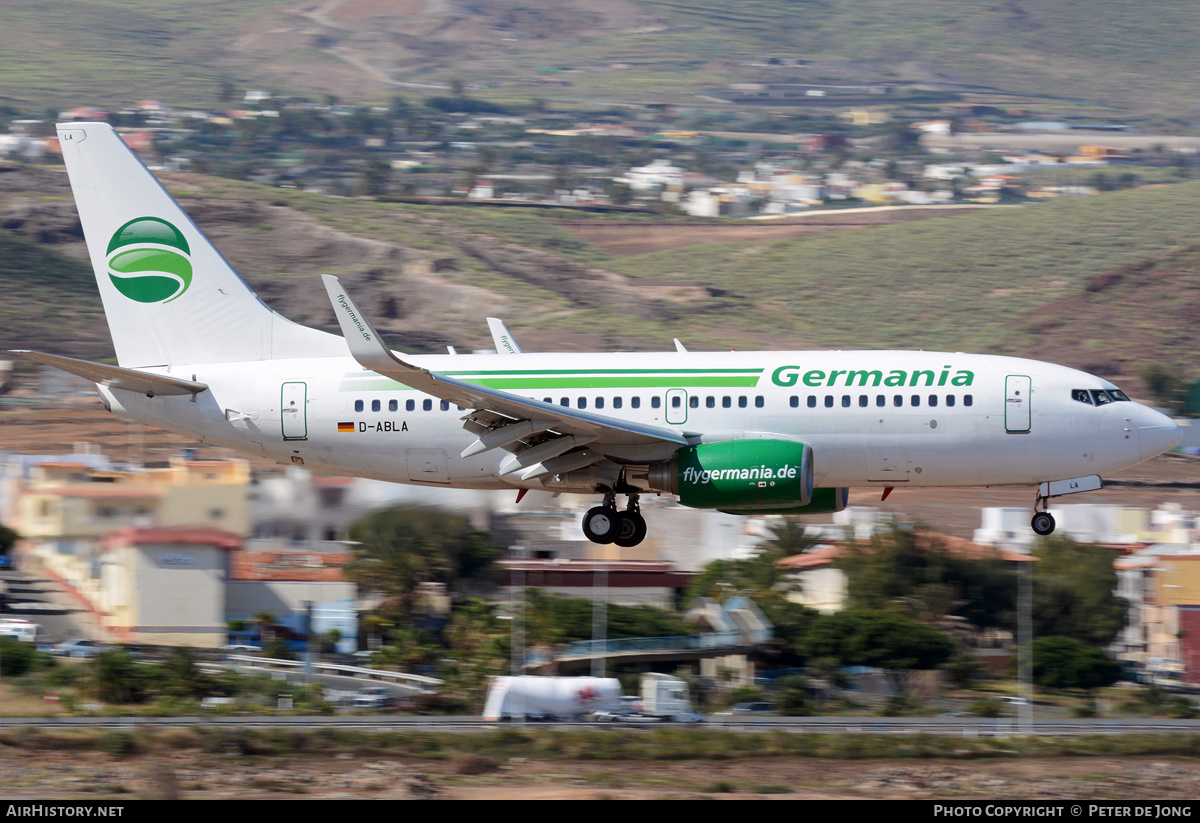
1099 397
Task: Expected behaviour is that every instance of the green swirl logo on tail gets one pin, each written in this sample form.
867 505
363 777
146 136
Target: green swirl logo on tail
148 261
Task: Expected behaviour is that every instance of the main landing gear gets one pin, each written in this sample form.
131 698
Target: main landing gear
1043 521
605 524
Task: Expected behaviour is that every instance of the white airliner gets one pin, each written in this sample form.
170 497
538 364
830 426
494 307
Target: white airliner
743 432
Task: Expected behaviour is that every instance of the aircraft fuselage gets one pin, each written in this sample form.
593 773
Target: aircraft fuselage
882 418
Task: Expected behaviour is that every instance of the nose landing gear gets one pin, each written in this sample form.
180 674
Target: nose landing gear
605 524
1043 521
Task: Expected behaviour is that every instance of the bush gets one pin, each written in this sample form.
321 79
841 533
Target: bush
987 707
16 658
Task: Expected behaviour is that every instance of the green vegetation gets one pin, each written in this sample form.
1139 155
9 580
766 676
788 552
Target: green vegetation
1063 663
911 573
997 267
878 640
99 51
399 549
47 295
644 745
96 51
551 619
1073 593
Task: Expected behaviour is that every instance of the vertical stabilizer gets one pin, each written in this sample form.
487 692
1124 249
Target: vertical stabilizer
169 295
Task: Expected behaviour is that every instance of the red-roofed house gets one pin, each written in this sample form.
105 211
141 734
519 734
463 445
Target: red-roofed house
165 585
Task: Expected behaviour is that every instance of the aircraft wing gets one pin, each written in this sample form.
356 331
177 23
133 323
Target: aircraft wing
368 348
118 378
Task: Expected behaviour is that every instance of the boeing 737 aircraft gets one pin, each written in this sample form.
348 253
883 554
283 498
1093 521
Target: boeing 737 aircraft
742 432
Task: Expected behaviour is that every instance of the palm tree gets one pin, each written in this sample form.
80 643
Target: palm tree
266 626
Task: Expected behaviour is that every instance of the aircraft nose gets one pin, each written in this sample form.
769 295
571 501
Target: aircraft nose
1157 433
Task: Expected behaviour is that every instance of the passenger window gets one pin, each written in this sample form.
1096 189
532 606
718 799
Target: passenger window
445 405
933 400
616 402
375 405
742 402
547 399
581 402
656 402
726 402
393 405
710 402
898 400
410 405
427 405
880 400
862 400
829 401
968 400
564 401
845 401
916 400
812 401
694 402
635 402
358 405
676 402
599 402
759 401
794 402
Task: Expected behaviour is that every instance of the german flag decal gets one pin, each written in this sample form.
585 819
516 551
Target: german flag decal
345 427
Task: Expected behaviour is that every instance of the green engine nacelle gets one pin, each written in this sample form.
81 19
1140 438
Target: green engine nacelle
824 501
739 474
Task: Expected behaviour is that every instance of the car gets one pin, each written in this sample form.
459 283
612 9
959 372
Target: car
758 708
78 647
372 697
1013 701
621 715
241 648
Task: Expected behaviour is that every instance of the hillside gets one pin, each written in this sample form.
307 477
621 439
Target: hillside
1105 58
1107 283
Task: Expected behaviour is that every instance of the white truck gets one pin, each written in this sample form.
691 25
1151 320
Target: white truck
665 697
530 696
25 631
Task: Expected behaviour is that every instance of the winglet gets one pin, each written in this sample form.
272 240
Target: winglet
365 344
502 337
679 347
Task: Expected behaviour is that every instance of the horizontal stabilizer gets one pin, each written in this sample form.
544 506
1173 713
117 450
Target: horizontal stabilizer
116 377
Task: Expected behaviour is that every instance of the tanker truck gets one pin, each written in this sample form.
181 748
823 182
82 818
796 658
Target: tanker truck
549 698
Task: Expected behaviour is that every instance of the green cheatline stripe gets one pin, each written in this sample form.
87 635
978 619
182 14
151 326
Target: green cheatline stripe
530 383
515 372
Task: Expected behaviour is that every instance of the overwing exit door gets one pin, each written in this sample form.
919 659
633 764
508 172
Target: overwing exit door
677 400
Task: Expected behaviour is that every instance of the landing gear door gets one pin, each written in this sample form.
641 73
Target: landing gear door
293 400
1018 390
676 406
